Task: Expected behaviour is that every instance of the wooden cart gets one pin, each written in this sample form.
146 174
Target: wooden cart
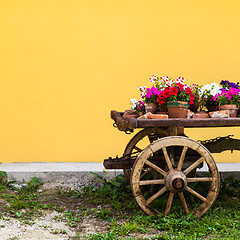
160 162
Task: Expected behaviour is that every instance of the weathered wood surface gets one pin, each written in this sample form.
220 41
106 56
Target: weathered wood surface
131 123
132 150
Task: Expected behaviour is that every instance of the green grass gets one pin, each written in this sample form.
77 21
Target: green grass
221 222
114 205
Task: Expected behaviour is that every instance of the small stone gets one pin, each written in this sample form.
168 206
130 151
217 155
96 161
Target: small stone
189 113
128 112
157 116
219 114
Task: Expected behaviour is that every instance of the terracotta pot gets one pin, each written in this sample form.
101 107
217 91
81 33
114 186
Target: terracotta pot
132 116
232 108
212 108
201 115
162 107
151 107
193 107
177 109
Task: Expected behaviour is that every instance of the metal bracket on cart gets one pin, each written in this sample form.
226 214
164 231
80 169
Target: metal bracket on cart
220 144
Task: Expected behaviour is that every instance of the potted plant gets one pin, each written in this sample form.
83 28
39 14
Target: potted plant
149 96
199 105
138 106
229 97
196 103
178 96
207 92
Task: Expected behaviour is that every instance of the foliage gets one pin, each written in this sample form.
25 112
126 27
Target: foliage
206 93
166 89
138 105
113 204
176 91
221 222
149 95
230 94
3 177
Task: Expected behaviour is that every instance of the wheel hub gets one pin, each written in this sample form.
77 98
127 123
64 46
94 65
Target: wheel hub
178 184
175 181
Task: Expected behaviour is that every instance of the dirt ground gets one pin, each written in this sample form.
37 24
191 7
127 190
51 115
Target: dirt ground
66 217
48 223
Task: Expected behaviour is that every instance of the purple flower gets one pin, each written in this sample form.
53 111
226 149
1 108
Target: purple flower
227 84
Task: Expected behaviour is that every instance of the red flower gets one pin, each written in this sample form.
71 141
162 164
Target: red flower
180 86
191 101
166 93
173 91
188 90
161 99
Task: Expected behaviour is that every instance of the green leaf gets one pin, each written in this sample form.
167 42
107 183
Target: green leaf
3 174
19 214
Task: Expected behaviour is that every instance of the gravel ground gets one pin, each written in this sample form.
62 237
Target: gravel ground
45 228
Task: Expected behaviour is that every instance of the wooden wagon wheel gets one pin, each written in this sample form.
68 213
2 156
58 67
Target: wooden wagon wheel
175 181
150 134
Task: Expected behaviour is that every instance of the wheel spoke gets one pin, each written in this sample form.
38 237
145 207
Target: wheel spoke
148 182
203 179
149 138
154 178
158 169
146 173
196 194
137 148
180 163
194 165
160 192
169 203
168 161
183 201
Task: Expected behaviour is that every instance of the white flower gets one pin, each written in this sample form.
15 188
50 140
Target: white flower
215 89
153 79
180 80
164 78
134 103
141 88
211 89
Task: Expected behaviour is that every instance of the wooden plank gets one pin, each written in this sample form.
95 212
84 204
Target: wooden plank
209 122
131 123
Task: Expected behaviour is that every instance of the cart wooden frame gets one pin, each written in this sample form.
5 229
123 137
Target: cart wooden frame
167 166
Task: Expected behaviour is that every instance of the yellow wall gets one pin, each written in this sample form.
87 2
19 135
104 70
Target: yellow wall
64 64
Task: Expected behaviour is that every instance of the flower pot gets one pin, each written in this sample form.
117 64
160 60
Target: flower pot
177 109
212 108
151 107
132 116
193 107
162 107
232 108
